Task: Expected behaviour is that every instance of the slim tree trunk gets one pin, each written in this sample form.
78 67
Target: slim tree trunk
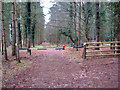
17 35
86 22
20 37
13 31
85 13
26 36
19 27
76 43
33 44
97 23
1 30
4 38
79 33
2 42
23 33
33 33
29 21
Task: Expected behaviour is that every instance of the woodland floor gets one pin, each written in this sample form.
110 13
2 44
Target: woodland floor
60 69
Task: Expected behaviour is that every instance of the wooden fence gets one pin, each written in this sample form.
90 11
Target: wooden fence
101 49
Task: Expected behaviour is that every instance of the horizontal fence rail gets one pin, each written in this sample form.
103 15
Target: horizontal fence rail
101 49
103 42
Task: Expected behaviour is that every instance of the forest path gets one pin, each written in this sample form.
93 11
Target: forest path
54 69
51 68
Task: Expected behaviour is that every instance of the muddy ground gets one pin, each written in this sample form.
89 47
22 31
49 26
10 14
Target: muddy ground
60 69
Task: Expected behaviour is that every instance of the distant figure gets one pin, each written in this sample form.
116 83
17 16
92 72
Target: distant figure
63 47
82 45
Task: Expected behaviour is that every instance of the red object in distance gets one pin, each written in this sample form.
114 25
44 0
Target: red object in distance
63 47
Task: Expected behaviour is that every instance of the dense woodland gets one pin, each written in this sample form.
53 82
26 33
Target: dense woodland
78 48
23 24
81 22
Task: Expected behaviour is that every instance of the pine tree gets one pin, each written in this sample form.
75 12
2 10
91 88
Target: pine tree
28 21
97 23
13 30
79 31
1 30
17 34
4 35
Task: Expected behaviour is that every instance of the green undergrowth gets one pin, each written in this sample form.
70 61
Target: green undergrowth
52 46
39 46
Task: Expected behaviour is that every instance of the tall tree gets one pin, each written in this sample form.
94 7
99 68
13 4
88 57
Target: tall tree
17 34
97 23
75 27
86 20
33 31
3 28
79 29
19 24
28 21
13 30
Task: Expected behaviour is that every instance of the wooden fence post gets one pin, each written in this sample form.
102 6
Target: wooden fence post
115 48
84 52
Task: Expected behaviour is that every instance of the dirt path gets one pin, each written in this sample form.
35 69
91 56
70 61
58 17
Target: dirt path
53 69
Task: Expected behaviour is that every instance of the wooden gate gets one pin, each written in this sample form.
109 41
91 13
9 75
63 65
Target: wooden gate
101 49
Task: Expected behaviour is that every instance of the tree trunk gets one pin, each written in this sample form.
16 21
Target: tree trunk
76 43
97 24
33 44
33 33
19 28
79 32
4 38
23 33
13 31
17 35
26 36
1 31
1 44
86 22
20 37
28 21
